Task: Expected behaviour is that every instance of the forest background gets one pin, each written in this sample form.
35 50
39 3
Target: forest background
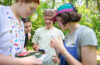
90 10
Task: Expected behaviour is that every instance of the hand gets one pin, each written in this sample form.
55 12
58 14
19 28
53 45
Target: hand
56 43
31 61
36 47
55 59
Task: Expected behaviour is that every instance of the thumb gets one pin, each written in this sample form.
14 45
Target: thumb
51 43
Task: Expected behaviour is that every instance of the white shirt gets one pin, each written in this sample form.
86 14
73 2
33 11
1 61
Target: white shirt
42 37
11 36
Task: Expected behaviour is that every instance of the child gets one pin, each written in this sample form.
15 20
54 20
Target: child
43 35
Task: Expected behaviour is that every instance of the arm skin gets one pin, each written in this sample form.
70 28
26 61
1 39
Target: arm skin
88 53
7 60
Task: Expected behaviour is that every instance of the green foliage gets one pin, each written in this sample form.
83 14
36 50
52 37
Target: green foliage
91 18
90 15
38 18
6 2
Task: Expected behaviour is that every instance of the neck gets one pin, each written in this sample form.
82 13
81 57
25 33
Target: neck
14 8
26 32
48 28
73 27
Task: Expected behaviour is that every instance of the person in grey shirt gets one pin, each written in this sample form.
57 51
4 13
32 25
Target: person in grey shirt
79 47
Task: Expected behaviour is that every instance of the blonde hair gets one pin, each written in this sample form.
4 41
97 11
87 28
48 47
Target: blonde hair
49 12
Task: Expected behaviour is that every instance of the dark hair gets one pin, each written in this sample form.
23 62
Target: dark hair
29 1
25 20
69 17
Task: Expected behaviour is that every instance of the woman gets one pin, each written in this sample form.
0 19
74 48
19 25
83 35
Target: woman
12 35
79 46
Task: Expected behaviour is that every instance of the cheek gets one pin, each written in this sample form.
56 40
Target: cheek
61 26
25 29
23 14
30 28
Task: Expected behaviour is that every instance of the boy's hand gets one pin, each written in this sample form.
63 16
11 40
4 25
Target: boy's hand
55 59
36 47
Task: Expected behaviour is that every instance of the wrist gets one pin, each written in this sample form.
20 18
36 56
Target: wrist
64 52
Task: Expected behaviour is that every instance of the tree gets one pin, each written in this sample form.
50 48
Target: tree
89 11
98 3
6 2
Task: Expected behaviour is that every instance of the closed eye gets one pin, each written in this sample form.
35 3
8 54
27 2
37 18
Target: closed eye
32 8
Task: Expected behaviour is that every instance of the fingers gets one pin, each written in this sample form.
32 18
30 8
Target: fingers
55 59
54 55
52 43
56 42
36 47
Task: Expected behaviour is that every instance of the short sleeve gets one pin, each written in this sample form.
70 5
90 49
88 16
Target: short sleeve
35 37
4 24
0 25
88 37
62 35
1 9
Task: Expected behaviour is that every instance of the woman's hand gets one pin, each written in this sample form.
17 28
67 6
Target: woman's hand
56 43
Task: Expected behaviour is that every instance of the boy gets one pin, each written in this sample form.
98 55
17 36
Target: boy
43 35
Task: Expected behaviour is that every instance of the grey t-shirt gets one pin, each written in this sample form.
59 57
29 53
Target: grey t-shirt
86 36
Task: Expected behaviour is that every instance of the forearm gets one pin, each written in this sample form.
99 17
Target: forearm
69 58
57 52
7 60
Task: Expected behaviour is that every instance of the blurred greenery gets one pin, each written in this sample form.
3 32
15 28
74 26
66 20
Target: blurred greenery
90 10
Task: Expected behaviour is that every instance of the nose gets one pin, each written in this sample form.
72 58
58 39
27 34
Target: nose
47 21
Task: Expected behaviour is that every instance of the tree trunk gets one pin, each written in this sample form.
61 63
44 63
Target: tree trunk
98 5
86 3
53 4
72 1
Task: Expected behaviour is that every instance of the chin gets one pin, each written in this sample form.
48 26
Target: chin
24 16
62 28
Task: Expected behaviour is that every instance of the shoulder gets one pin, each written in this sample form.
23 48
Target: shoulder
86 30
3 16
3 8
58 30
87 37
39 29
3 11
